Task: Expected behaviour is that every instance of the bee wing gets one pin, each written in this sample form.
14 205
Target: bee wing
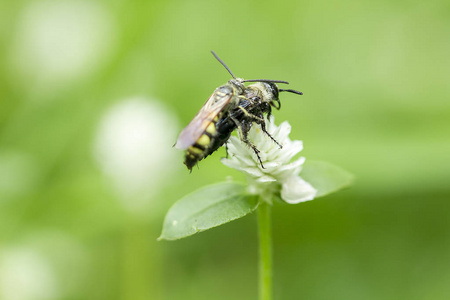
212 107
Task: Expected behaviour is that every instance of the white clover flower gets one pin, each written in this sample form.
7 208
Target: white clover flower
279 174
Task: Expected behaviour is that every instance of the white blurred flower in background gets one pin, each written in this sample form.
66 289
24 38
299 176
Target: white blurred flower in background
26 275
58 41
44 265
134 148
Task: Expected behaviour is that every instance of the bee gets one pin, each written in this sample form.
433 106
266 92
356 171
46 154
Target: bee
231 106
258 99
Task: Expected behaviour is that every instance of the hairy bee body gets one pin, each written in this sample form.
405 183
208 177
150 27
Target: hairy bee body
253 104
231 106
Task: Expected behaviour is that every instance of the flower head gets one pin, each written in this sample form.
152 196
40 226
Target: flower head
279 174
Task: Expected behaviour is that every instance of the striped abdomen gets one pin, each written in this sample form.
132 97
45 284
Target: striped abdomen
201 148
215 135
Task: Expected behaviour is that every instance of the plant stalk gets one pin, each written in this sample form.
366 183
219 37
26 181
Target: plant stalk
265 251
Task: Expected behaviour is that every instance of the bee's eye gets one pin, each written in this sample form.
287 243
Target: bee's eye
272 88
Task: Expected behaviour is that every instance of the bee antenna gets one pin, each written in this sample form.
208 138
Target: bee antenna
291 91
266 80
223 64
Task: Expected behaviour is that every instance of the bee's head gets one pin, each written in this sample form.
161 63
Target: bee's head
272 94
268 87
270 91
266 92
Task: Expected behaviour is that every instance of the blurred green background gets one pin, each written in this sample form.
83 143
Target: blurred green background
94 93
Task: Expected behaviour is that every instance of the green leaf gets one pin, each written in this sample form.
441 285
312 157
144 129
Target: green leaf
206 208
325 177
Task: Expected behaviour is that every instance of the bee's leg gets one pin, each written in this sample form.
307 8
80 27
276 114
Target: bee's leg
226 149
269 112
263 128
244 128
260 120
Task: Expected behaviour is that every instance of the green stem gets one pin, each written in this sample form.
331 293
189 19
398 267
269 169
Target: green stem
265 251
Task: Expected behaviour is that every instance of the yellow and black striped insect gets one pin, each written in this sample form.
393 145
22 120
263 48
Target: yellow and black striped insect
231 106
